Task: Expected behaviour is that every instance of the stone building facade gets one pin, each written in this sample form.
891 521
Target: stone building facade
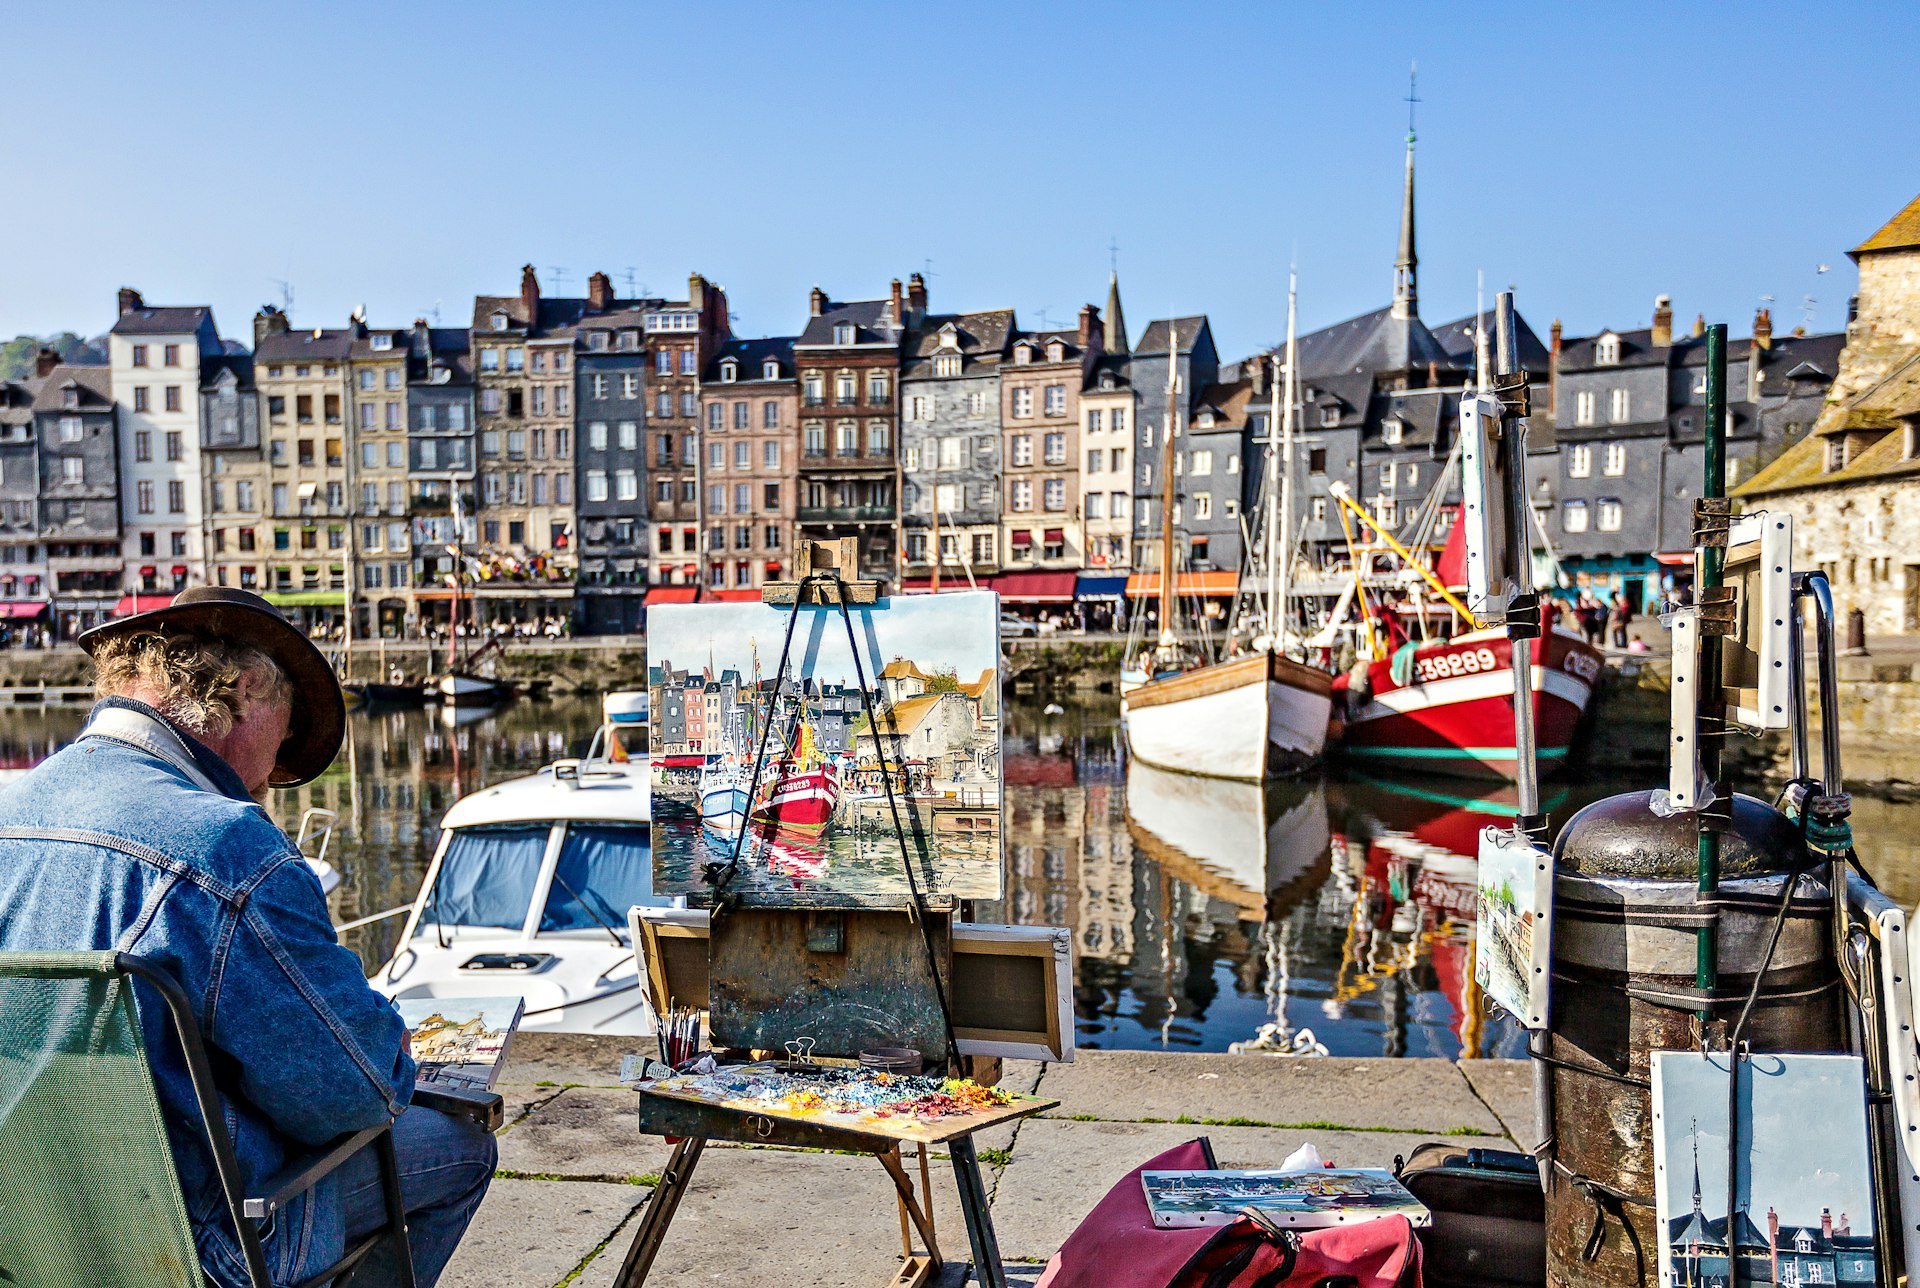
750 467
76 424
849 362
1107 426
680 336
1173 359
610 475
442 455
1850 484
950 445
381 539
1040 426
23 565
236 475
304 389
154 355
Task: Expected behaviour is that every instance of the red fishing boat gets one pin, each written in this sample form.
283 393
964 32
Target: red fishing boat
799 799
1447 707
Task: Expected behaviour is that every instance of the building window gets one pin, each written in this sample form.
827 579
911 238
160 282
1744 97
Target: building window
1096 461
1616 460
1056 449
140 398
879 438
947 365
1573 516
1606 350
176 497
1053 494
1620 406
816 439
1021 492
1390 431
1610 514
1583 407
741 418
516 359
1203 505
846 389
596 485
663 404
1056 400
715 413
846 439
1579 461
139 355
843 333
687 408
1022 404
1022 449
919 407
1330 416
1202 462
72 469
142 445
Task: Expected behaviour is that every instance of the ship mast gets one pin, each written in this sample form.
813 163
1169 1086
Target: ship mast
1280 525
1167 458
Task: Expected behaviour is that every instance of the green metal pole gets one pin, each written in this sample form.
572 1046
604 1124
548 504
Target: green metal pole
1712 707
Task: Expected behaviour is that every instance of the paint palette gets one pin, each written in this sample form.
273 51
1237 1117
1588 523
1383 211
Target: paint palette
917 1108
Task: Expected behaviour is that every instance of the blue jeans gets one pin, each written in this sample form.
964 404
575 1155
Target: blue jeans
445 1165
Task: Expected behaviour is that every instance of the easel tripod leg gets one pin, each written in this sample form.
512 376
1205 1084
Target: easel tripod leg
911 1207
973 1204
674 1179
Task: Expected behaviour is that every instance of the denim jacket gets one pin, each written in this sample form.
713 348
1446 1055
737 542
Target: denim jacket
138 838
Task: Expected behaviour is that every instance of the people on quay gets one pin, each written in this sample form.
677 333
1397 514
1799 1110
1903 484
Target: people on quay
1621 617
146 835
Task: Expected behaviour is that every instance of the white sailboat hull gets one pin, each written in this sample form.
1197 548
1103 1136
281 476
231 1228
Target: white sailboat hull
1233 720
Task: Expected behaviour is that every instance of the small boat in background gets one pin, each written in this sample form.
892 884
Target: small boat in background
465 689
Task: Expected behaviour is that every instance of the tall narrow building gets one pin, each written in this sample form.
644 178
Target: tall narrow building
155 356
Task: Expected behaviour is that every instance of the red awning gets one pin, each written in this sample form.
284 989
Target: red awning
745 595
131 604
1022 537
179 570
671 595
681 762
19 609
1679 559
1036 587
147 571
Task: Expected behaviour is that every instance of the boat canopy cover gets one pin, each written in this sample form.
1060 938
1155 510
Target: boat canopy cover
610 869
487 877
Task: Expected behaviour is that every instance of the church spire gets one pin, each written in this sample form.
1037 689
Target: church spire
1114 338
1696 1175
1406 269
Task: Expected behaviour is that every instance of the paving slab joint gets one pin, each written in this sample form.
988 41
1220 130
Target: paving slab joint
581 1266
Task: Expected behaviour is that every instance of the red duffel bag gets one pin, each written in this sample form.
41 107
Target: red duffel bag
1118 1246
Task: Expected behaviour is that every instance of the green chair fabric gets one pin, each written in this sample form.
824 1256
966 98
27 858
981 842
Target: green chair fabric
88 1193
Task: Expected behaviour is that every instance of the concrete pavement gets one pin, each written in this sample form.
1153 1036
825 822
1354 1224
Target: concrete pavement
573 1171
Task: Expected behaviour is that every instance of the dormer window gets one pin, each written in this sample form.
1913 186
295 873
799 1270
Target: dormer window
946 364
499 320
1330 416
729 370
1056 352
1022 354
380 342
70 397
1606 350
597 340
770 369
1390 431
1205 421
843 333
1106 380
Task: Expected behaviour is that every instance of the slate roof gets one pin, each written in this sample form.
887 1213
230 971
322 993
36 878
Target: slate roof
95 385
1375 341
401 338
1228 400
1041 339
983 339
1456 338
163 321
240 364
1902 232
1154 339
869 318
752 356
17 400
1421 413
1805 356
1636 350
1109 364
557 316
320 344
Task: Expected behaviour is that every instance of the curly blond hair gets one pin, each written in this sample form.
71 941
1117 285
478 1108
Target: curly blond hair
198 679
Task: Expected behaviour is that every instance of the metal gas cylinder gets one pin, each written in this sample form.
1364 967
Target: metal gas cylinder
1624 986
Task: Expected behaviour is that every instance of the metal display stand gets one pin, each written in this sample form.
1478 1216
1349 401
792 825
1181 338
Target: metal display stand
769 966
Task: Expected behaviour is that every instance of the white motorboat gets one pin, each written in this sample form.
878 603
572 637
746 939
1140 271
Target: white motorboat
529 890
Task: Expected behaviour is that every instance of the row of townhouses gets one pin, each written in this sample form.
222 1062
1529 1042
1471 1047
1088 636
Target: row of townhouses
572 459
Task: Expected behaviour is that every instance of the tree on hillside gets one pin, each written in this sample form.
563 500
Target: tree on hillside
17 354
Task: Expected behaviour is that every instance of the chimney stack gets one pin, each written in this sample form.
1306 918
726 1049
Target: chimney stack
269 321
1089 322
895 313
130 301
697 291
816 302
1773 1242
1257 372
530 296
599 293
1433 374
1699 325
916 298
45 361
1826 1223
1553 371
1662 321
1763 329
1843 1228
422 340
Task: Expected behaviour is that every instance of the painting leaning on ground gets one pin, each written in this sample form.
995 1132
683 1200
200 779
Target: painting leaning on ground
785 768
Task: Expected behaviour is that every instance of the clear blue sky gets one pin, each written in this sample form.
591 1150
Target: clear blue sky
409 156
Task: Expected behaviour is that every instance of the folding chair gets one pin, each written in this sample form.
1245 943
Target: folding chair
89 1197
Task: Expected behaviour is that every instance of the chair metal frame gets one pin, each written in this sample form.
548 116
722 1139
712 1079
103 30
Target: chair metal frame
248 1211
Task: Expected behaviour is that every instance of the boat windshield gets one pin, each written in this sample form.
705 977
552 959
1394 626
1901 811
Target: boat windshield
487 877
602 872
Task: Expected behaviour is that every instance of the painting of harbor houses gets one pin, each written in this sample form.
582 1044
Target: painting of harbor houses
788 779
1802 1212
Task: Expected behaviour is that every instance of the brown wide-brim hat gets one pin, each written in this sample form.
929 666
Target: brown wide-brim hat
319 719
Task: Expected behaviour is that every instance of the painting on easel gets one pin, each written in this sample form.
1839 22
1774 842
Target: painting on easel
815 829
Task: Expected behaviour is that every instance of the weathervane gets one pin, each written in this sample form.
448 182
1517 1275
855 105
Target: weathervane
1413 96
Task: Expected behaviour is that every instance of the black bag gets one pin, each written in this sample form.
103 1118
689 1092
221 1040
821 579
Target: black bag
1489 1216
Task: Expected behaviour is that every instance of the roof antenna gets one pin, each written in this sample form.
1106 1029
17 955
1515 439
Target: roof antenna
1113 255
286 294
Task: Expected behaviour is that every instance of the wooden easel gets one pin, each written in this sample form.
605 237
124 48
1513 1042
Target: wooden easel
848 978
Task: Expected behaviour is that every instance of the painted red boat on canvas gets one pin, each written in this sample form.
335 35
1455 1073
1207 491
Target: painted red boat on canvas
1451 709
801 800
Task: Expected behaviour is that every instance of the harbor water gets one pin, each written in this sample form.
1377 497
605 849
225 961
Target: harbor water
1202 911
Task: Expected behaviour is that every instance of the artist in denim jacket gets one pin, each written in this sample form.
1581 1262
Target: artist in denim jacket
144 836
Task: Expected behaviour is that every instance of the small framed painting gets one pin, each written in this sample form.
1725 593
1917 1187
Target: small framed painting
1513 927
